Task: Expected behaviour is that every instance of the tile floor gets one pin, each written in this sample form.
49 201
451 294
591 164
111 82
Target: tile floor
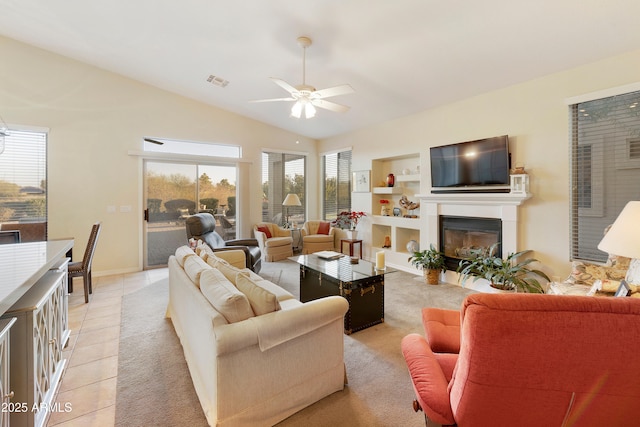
89 382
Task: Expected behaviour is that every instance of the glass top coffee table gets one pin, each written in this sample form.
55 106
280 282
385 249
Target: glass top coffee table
361 284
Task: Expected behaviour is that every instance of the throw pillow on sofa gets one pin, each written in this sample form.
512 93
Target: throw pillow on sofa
203 250
225 297
194 266
182 253
261 300
229 271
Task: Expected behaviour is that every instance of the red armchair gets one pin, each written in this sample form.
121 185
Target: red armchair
531 360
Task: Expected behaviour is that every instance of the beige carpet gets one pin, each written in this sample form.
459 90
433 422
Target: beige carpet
154 386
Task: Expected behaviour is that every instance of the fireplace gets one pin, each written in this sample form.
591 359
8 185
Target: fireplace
462 237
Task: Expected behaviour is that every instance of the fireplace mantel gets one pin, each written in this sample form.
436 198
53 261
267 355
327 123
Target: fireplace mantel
475 198
483 205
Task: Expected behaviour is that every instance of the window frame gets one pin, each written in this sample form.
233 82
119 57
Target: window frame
277 193
343 179
606 121
39 135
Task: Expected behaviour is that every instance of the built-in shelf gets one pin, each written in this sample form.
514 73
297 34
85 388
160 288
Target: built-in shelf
396 221
387 190
398 229
408 178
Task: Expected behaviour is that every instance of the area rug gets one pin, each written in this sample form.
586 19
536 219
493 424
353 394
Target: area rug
154 386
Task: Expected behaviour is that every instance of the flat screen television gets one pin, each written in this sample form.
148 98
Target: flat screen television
481 166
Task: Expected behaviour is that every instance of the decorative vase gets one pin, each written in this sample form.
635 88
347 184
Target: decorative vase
413 246
352 234
385 210
431 276
391 180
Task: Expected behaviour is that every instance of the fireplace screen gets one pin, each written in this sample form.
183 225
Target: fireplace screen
463 237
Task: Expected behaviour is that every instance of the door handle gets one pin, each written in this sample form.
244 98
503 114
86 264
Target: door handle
146 215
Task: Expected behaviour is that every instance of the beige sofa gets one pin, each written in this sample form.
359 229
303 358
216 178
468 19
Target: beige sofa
252 369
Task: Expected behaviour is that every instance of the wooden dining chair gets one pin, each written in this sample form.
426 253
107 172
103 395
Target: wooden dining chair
83 268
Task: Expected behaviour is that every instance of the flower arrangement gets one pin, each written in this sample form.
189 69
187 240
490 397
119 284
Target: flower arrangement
348 220
384 201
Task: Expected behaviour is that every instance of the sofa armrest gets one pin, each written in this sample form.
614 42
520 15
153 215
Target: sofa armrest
235 257
429 381
272 329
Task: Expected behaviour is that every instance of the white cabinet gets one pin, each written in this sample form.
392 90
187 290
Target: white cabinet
40 332
5 377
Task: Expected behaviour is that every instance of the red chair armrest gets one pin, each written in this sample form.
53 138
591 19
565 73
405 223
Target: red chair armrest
429 381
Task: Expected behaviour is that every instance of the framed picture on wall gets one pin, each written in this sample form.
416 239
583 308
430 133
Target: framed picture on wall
361 181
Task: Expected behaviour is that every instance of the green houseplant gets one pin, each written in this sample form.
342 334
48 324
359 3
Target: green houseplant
506 274
431 262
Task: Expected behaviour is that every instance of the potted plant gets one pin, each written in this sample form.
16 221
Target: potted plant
431 262
506 274
348 220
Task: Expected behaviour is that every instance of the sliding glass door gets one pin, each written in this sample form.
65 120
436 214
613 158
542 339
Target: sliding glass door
173 191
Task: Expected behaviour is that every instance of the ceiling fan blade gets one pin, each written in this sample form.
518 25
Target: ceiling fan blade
284 85
153 141
273 99
331 106
332 91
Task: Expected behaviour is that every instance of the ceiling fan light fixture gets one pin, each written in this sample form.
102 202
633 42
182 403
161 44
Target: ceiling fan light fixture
309 110
296 110
306 97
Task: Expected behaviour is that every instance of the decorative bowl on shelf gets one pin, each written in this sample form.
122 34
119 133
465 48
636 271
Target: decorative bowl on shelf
412 246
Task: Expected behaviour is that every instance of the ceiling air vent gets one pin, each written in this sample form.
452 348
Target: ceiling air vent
217 81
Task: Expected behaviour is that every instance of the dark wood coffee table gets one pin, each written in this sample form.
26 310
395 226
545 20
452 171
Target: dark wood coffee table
361 284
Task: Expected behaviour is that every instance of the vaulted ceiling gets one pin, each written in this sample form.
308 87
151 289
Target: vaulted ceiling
401 57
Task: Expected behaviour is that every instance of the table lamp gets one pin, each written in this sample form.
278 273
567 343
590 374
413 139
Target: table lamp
290 200
623 239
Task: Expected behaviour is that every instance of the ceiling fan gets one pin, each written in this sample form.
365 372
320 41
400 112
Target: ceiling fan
307 97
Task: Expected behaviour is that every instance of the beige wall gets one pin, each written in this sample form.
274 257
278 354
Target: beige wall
95 118
535 117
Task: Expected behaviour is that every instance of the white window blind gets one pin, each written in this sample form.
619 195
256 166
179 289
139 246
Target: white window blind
23 179
283 173
605 168
336 169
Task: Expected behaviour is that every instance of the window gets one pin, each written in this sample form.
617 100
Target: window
283 173
336 181
23 184
605 168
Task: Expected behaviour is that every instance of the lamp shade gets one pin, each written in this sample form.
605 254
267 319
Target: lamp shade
623 238
291 200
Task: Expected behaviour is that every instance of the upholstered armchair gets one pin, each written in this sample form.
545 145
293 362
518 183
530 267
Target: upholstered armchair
275 242
317 236
510 356
202 226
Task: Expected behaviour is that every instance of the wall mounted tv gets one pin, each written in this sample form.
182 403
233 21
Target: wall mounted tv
480 166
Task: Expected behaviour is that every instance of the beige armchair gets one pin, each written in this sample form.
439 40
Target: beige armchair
275 242
314 238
